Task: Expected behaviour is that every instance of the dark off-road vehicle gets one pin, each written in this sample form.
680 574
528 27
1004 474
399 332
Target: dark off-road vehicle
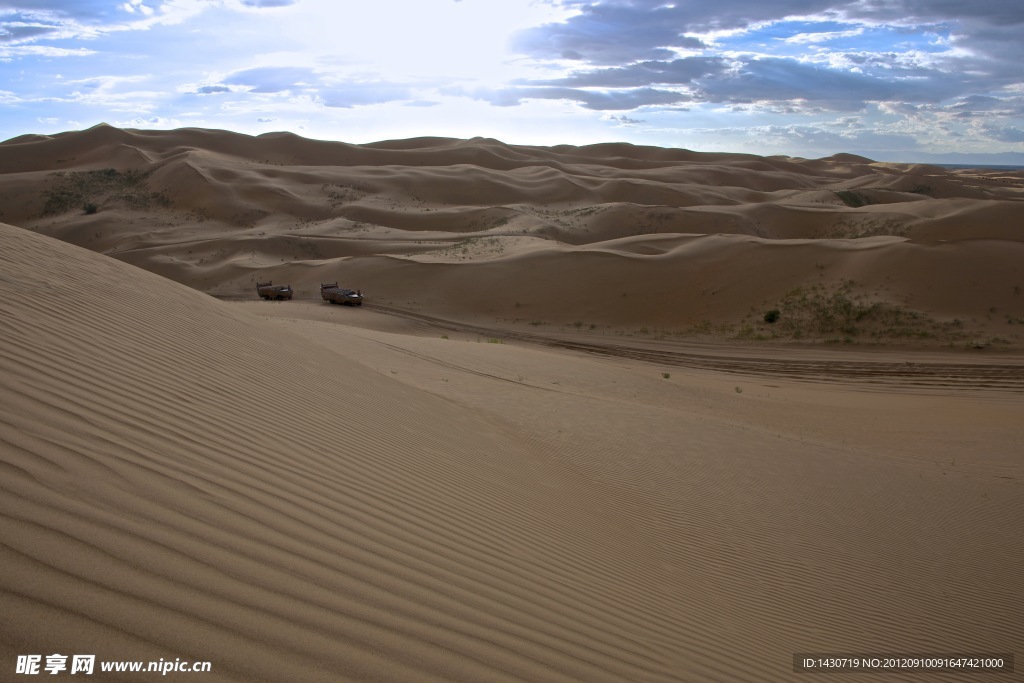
339 295
268 290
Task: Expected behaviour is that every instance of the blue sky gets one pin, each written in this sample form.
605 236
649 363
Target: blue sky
798 77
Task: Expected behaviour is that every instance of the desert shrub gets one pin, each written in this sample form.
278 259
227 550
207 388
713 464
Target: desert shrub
845 314
86 188
772 316
90 208
853 199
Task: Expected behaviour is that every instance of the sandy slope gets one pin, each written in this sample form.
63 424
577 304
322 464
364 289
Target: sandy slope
218 211
182 481
301 498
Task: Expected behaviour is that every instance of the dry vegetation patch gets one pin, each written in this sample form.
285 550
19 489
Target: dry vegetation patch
840 313
89 190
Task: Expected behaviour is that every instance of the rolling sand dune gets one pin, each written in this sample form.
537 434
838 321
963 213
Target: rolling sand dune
561 441
290 498
218 211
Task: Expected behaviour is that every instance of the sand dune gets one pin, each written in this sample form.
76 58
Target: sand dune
300 498
184 481
561 442
218 211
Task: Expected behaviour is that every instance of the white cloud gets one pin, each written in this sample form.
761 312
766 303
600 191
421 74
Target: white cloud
151 122
624 120
263 4
137 6
7 53
822 37
1007 134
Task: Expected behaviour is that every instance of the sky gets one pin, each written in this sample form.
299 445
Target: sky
809 78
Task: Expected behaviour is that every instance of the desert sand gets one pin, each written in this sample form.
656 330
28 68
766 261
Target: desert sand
559 442
622 239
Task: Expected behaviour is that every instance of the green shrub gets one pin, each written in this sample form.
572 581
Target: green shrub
772 316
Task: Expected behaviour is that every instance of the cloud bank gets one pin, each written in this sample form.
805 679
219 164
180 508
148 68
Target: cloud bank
802 74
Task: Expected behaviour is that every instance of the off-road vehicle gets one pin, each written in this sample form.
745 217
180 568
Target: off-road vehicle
339 295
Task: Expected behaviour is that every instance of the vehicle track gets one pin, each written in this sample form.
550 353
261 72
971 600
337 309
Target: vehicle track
985 376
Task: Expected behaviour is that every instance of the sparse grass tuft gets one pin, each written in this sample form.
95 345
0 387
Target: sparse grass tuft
86 188
473 247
